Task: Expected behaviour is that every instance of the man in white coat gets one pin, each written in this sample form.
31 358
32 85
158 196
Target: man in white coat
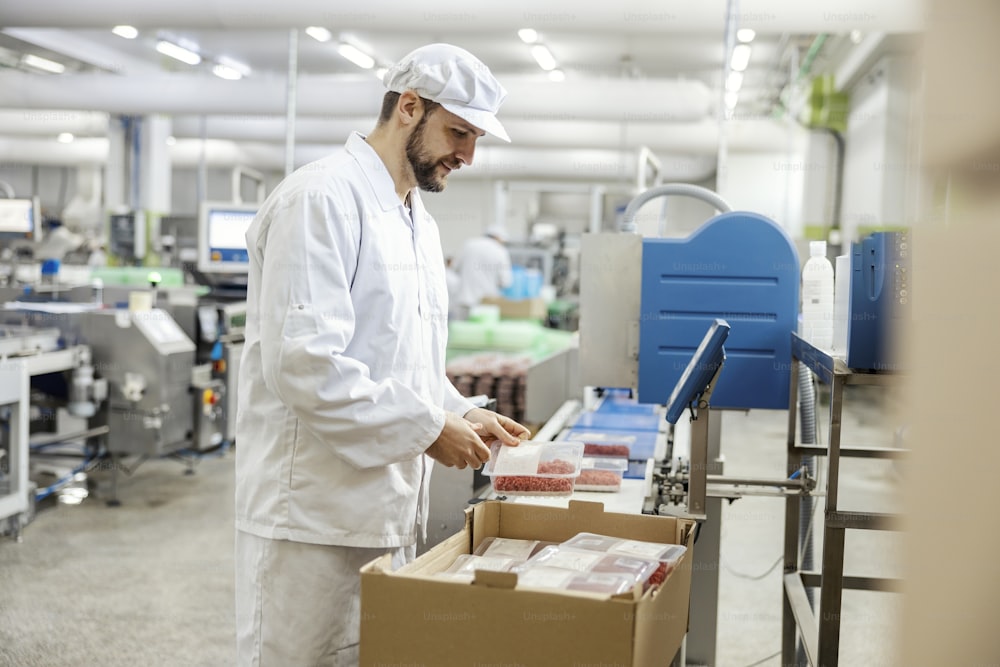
344 399
483 268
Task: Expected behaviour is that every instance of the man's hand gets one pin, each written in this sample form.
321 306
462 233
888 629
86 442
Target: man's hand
459 444
497 427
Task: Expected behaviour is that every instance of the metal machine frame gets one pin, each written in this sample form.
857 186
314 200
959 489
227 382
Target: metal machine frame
821 635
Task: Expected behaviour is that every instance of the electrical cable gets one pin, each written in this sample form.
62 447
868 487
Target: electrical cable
763 660
753 577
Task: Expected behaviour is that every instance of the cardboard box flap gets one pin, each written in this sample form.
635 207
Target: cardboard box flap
495 579
379 565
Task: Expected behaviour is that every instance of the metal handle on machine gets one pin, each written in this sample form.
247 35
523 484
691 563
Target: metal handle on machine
696 191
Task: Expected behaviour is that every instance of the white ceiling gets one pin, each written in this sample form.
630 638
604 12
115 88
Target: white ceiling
638 72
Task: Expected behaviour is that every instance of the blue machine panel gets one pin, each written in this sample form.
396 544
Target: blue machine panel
740 267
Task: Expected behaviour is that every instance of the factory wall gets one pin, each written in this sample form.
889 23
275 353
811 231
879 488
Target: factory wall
878 159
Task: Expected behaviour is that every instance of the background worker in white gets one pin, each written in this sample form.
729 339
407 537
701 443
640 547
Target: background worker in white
483 268
342 385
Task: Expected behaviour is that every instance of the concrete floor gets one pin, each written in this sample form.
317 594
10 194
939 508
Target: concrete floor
150 582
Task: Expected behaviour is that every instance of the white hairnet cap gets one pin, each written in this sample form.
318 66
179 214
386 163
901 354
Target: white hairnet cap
455 79
497 232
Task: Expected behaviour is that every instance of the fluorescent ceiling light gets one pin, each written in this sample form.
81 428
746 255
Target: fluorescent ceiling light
543 57
557 75
178 52
746 35
734 81
356 55
740 58
319 33
43 63
227 68
226 72
731 100
126 31
381 72
528 35
65 137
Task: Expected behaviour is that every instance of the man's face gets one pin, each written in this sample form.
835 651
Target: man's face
440 143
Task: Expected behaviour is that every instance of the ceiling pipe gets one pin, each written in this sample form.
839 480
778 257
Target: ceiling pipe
490 161
699 137
625 16
655 100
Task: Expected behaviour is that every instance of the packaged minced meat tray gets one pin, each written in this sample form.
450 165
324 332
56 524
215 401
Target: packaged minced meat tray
603 444
469 563
507 547
635 570
601 473
577 560
607 583
535 468
666 554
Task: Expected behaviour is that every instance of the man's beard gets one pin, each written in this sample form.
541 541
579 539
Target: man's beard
424 168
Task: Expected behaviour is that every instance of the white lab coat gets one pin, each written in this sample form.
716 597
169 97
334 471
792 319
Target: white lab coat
342 381
483 268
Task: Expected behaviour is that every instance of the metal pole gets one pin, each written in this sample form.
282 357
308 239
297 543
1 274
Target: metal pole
290 99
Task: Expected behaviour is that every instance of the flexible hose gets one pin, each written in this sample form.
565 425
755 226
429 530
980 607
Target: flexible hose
807 408
696 191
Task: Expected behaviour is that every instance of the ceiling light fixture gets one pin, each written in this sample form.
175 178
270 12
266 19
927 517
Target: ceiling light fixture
319 33
178 52
381 72
126 31
543 57
43 63
731 100
226 72
356 55
734 82
740 58
557 75
227 68
65 138
746 35
528 35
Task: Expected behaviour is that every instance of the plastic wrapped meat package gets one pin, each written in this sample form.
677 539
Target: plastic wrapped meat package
465 566
564 557
666 554
506 547
554 578
601 473
535 468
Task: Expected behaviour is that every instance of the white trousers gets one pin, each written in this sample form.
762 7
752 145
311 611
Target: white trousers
298 604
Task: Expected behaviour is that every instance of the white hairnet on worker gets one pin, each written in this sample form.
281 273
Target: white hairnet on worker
343 399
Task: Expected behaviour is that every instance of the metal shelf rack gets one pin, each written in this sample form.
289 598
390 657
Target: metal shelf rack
821 640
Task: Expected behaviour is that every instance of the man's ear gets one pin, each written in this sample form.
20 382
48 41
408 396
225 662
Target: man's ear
409 108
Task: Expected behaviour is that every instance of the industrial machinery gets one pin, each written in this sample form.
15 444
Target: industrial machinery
654 315
41 376
148 362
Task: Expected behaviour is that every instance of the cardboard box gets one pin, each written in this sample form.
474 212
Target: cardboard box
534 309
410 618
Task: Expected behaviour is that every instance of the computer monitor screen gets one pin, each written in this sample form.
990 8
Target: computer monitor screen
18 218
222 245
699 370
